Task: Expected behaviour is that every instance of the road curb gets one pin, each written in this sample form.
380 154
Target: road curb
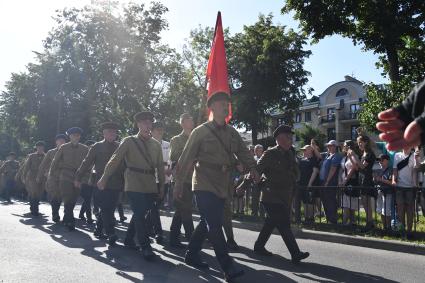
361 241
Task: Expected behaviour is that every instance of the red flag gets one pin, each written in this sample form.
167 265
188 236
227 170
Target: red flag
217 79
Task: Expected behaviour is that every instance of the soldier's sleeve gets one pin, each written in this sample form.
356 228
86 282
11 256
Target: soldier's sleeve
43 166
2 168
173 150
188 156
87 164
54 166
160 168
26 166
116 159
243 153
264 162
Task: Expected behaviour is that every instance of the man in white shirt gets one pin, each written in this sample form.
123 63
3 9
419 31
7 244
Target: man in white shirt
154 217
404 176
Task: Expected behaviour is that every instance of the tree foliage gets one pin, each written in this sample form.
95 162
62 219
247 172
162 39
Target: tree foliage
379 25
99 63
267 73
307 133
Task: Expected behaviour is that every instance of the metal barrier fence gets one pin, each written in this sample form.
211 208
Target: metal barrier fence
334 203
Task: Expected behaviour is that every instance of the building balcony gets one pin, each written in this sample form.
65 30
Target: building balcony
326 119
348 116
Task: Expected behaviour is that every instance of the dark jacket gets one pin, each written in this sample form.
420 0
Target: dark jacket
413 108
98 156
281 171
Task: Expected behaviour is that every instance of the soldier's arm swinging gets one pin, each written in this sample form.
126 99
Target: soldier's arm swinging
113 163
85 166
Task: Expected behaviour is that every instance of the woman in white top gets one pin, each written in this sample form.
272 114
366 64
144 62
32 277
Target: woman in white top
349 177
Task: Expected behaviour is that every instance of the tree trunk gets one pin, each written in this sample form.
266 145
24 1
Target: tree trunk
393 64
254 135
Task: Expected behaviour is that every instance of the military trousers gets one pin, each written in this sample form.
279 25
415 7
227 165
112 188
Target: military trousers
107 201
141 204
277 216
153 219
211 209
328 198
227 221
9 187
70 195
183 214
87 195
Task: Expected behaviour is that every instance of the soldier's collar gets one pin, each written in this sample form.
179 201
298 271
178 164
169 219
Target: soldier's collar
219 127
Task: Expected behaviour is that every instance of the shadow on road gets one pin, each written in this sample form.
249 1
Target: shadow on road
308 270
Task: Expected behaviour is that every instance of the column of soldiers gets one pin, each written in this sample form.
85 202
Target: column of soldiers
202 162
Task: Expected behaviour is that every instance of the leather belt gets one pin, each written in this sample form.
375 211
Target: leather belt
213 166
142 171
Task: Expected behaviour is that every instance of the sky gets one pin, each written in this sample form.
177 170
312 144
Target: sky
25 23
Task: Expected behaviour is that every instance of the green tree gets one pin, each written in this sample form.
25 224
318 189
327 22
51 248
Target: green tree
307 133
266 72
98 63
379 25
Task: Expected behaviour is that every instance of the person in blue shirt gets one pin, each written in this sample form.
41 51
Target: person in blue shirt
329 177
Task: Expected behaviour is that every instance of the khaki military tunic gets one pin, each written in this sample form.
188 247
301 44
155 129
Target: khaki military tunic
51 181
214 165
98 156
281 171
177 144
35 190
139 174
67 160
9 169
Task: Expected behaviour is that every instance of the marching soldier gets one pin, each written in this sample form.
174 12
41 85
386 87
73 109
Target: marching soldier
66 162
213 146
107 199
35 189
280 169
143 157
183 213
8 171
86 191
154 219
19 179
52 181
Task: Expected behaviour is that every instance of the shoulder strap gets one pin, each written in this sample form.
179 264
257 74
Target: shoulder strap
231 155
148 160
404 162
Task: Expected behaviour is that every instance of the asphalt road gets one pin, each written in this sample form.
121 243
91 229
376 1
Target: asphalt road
34 249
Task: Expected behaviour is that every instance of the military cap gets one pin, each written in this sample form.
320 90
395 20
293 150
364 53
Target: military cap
90 142
109 125
11 154
74 130
40 143
144 115
185 116
217 96
157 125
384 156
282 129
60 136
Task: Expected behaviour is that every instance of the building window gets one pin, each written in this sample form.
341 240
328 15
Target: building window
354 134
331 134
298 118
307 116
354 109
331 114
342 92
